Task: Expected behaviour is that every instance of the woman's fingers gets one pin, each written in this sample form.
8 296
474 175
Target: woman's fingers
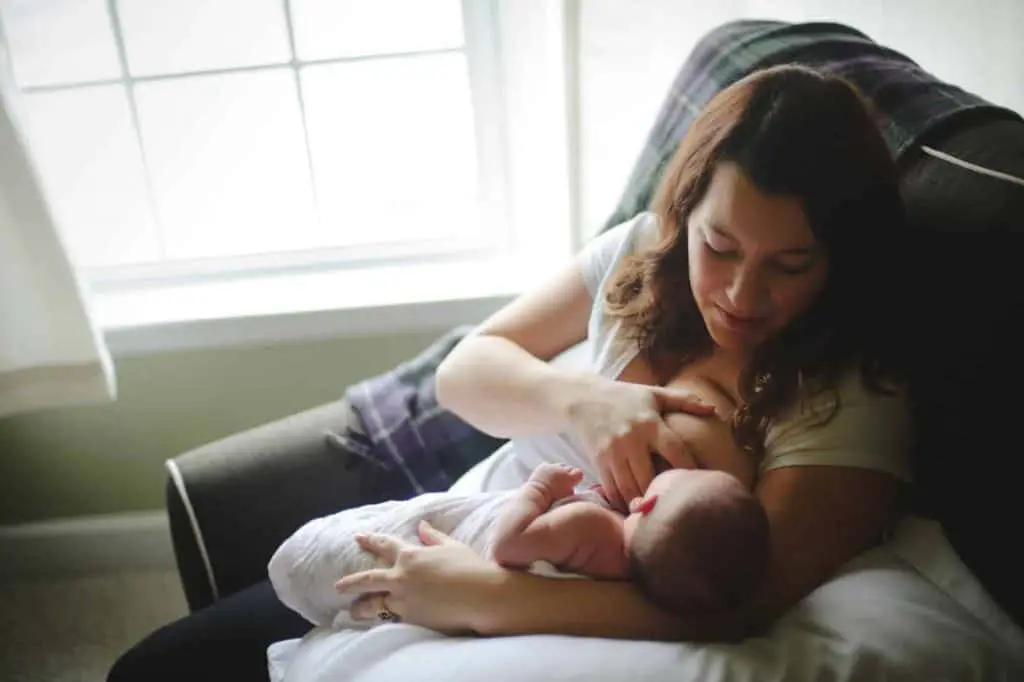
381 546
368 606
641 466
672 448
624 481
611 488
681 401
365 608
374 580
431 536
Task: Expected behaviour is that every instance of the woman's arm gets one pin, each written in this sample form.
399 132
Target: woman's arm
820 518
498 378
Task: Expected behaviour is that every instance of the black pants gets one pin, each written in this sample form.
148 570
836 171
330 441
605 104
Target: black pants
225 641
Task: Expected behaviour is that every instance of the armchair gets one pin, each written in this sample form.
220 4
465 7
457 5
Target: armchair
232 502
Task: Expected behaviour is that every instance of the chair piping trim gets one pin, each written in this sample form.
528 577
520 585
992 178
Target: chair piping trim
972 166
179 483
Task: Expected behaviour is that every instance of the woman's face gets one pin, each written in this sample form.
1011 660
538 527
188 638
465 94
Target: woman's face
755 264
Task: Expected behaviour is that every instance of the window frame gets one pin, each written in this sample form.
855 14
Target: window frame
520 76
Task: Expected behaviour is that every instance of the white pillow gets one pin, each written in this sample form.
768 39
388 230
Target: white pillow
921 543
877 620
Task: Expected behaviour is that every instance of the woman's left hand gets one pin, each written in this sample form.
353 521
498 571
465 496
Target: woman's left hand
443 585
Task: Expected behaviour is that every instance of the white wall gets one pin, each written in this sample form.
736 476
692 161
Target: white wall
629 51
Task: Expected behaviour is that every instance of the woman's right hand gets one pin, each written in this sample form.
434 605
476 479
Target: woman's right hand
621 427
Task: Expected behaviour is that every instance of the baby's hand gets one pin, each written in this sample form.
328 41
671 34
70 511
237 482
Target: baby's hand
558 480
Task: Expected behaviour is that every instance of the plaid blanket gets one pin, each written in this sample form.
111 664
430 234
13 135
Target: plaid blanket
422 446
910 102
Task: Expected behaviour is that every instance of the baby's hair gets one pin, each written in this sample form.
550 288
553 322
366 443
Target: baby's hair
701 553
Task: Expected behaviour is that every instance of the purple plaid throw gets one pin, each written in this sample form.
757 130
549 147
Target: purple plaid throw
421 446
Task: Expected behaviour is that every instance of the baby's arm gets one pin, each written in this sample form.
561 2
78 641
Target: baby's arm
523 529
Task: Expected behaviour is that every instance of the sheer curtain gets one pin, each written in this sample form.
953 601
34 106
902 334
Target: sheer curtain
51 352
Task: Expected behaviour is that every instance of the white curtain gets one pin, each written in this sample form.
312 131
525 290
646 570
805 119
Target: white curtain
51 352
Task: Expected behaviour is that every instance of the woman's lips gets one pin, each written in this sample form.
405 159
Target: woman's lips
740 324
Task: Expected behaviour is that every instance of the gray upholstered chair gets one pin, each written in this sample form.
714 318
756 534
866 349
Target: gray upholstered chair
232 502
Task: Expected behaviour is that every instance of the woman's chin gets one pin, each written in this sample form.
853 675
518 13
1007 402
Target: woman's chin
731 340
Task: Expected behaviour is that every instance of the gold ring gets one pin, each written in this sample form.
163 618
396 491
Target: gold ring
384 614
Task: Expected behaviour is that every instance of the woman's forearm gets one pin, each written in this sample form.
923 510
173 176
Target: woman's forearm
528 604
503 390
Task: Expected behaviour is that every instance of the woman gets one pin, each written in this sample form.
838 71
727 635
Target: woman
770 265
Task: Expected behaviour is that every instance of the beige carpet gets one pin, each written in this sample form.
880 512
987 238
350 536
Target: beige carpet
72 630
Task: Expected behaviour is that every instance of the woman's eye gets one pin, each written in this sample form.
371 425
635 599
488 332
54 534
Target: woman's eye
719 253
793 269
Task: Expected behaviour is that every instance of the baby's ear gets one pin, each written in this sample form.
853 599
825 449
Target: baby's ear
648 504
642 505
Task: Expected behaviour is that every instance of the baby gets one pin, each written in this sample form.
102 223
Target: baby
696 541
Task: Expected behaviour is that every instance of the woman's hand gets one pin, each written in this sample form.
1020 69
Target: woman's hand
444 585
622 426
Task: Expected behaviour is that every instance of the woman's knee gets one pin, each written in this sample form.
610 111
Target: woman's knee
179 652
227 640
159 656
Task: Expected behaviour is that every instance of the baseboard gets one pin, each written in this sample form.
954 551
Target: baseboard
86 545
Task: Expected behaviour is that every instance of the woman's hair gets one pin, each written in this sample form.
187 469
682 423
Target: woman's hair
793 132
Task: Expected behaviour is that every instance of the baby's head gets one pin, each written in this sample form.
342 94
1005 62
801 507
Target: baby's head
697 541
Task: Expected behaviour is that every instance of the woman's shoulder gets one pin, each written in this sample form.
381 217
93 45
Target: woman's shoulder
851 424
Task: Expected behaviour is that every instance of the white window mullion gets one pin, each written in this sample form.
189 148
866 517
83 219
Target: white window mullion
133 112
481 21
302 112
535 77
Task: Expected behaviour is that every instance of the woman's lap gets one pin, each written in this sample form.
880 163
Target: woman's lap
225 641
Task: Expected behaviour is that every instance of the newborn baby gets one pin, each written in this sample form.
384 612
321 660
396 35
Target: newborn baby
697 540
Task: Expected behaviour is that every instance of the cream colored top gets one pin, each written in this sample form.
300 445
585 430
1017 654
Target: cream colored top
870 430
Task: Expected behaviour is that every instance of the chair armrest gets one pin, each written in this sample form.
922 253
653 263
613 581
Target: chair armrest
234 501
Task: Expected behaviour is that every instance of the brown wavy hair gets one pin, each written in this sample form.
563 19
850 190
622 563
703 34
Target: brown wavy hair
794 132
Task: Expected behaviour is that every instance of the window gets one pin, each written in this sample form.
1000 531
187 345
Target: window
182 141
198 135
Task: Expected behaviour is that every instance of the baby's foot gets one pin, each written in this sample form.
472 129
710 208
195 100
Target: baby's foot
558 480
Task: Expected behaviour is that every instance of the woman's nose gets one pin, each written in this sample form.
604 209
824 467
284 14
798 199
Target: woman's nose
746 293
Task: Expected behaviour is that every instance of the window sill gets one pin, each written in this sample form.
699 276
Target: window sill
296 307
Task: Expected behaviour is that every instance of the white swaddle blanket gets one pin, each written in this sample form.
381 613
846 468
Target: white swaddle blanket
305 567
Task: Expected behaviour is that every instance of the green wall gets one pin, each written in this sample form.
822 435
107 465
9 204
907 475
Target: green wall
109 458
